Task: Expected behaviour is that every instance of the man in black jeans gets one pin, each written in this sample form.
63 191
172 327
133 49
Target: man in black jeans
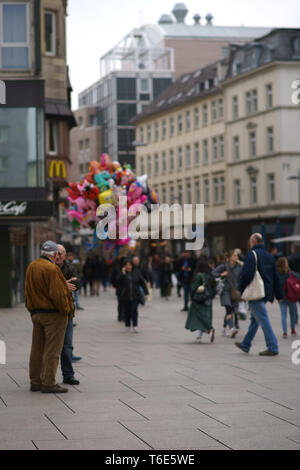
129 283
66 357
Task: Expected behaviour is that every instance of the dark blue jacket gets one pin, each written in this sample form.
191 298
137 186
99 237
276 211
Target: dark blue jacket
267 269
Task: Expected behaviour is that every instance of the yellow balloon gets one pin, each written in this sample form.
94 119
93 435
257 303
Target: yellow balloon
106 197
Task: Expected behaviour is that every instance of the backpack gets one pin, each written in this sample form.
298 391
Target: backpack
292 288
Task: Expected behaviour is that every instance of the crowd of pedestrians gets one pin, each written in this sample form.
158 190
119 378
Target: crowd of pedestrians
244 285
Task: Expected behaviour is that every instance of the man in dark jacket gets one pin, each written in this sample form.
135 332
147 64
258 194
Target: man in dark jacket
129 282
259 315
73 283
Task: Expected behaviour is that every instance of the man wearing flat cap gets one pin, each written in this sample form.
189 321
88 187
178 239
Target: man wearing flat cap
50 304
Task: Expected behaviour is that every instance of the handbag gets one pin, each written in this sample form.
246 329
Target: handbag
202 297
235 294
256 289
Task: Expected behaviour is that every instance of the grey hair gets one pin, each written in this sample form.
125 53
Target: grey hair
48 253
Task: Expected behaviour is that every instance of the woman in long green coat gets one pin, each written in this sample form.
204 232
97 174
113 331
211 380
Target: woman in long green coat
200 314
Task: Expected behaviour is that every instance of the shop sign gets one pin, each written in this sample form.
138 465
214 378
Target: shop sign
13 208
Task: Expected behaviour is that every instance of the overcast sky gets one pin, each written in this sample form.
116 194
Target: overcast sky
95 26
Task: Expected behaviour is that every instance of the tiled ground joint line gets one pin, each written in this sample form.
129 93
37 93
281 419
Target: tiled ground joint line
133 433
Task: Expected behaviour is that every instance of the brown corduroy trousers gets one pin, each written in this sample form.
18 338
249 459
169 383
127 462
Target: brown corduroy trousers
47 343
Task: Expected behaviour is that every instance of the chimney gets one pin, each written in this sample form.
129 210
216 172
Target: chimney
209 19
197 19
165 19
180 11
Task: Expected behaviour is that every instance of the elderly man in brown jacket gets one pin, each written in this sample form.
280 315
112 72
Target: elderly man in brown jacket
50 304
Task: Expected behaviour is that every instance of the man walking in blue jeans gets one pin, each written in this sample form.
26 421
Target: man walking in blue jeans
259 315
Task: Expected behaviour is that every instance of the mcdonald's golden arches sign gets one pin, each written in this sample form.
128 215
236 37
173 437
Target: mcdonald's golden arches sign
60 169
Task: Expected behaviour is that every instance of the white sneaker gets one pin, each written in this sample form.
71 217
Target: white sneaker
127 329
135 330
224 332
233 332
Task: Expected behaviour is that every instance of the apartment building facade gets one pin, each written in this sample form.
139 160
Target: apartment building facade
227 136
36 93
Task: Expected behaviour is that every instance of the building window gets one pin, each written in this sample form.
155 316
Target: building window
216 190
206 191
196 118
271 187
156 164
87 144
252 144
205 115
149 165
164 195
53 137
145 85
197 192
214 111
180 194
164 129
80 121
172 161
205 152
188 192
251 102
172 194
220 109
254 101
215 148
248 103
3 135
269 95
156 132
179 158
188 121
270 140
14 37
50 34
149 133
142 135
164 162
222 188
253 190
237 192
188 156
22 154
221 147
3 164
236 148
81 145
81 170
172 127
179 124
235 107
196 154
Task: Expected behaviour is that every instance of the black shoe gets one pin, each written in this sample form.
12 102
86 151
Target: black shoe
79 308
71 381
184 310
35 388
76 358
268 353
239 345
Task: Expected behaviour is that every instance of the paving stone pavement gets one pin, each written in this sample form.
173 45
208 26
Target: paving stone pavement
158 389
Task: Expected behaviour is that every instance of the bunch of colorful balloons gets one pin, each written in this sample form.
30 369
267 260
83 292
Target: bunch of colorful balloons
105 182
